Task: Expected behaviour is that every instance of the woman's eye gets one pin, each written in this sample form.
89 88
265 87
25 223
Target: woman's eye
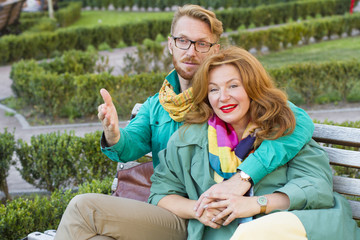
213 90
233 86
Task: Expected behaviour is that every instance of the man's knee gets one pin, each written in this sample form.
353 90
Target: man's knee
81 201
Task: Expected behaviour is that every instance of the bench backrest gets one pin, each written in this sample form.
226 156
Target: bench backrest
343 136
16 11
10 12
5 11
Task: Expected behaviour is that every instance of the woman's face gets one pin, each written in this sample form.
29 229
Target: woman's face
227 96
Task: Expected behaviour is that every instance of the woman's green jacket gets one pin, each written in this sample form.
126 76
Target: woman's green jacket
307 179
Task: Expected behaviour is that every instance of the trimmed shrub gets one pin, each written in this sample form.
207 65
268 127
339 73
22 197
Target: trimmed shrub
80 93
310 80
58 160
22 216
275 37
93 164
48 163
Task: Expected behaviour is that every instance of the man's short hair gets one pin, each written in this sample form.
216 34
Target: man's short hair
202 14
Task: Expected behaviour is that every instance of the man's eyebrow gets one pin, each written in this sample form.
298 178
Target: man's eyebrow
203 39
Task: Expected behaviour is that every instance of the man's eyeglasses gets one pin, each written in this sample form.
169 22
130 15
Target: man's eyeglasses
200 46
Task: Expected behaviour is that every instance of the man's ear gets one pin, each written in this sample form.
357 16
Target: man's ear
170 45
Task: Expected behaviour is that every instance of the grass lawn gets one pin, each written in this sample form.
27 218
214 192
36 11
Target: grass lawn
340 49
98 18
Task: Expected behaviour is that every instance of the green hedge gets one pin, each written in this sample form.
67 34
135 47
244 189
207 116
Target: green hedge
64 16
320 83
67 88
163 4
22 216
44 44
55 160
276 37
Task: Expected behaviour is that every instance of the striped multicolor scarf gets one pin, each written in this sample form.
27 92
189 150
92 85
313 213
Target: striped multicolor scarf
226 152
177 105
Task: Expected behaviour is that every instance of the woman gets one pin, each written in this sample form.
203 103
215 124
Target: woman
236 107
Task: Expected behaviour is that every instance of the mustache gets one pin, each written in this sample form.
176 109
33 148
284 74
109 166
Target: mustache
190 60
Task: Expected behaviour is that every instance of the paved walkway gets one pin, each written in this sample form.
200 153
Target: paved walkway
10 119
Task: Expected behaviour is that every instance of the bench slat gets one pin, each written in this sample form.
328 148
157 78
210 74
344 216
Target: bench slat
355 206
4 15
337 135
16 11
348 186
343 157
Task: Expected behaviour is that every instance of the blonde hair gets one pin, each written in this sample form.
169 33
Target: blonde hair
201 14
268 107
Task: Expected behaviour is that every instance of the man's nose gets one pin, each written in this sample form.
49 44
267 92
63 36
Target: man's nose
191 50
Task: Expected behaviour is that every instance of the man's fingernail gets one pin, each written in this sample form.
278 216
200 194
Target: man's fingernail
197 214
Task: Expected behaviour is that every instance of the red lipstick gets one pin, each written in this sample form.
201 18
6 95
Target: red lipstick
228 108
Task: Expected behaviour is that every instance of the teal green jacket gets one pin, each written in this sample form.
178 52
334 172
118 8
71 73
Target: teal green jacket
152 127
184 170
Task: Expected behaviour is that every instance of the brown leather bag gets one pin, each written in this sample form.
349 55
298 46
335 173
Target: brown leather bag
135 182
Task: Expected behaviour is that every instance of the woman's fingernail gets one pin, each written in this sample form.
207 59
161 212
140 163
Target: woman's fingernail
205 206
213 219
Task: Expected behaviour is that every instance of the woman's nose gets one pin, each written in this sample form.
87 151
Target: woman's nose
224 95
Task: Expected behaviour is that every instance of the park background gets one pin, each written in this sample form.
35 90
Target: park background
54 67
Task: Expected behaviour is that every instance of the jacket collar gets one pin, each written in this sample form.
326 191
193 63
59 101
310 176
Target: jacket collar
173 79
195 134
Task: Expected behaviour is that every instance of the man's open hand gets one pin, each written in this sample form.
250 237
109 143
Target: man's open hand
109 118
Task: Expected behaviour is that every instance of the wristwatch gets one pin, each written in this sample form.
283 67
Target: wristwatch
245 177
262 201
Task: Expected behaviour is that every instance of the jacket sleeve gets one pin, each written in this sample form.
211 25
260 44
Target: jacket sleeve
309 178
135 138
167 178
274 153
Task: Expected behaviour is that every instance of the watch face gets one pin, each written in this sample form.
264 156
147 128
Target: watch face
244 175
262 200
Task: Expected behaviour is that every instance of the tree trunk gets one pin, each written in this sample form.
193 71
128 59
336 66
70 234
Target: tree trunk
5 189
51 9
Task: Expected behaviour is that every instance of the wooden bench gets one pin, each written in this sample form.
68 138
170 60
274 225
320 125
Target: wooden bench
343 136
15 12
10 12
331 137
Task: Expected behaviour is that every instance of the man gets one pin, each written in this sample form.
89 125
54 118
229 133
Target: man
195 33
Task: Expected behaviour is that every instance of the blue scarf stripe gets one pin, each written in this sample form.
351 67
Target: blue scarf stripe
215 165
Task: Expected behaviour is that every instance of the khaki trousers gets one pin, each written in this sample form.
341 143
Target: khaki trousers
98 216
275 226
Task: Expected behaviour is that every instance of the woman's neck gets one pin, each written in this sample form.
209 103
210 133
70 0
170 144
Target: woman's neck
241 126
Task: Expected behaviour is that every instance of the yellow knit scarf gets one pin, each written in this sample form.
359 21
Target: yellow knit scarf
177 105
